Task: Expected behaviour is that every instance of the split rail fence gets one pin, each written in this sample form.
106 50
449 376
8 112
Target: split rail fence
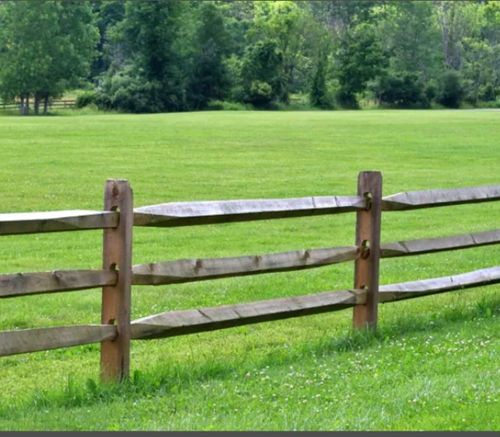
53 103
118 275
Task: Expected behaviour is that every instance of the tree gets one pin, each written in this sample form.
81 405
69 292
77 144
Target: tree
209 77
318 95
295 33
402 90
457 20
481 56
340 15
408 33
262 73
42 61
108 13
360 58
451 90
151 76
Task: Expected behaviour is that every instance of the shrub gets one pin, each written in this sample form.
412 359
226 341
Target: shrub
403 90
85 99
488 93
215 105
227 105
260 94
262 74
346 99
430 91
452 92
129 93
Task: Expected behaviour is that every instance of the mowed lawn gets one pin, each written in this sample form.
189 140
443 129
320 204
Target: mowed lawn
433 363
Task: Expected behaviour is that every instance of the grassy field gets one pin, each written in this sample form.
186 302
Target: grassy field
433 363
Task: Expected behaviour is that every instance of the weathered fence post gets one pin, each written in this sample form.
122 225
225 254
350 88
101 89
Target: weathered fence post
116 299
366 268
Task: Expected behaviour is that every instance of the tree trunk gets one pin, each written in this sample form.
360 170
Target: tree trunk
45 104
27 105
37 103
21 105
450 35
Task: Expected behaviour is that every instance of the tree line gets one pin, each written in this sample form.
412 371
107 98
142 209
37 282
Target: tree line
179 55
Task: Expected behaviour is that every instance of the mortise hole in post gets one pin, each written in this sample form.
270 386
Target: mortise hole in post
365 249
112 267
368 199
115 208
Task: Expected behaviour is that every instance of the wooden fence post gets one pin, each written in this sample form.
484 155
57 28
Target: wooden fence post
116 299
366 268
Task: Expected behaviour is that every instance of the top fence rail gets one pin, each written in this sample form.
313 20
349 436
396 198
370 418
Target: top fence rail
433 198
226 211
56 221
196 213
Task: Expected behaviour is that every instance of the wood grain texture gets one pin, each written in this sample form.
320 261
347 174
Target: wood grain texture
430 245
199 269
442 197
32 340
56 221
116 299
174 323
196 213
407 290
187 270
366 267
21 284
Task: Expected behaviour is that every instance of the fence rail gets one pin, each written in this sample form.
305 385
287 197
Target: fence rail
22 284
33 340
53 103
425 287
118 275
56 221
434 198
198 213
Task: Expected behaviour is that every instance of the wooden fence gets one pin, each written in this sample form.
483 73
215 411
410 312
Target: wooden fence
118 275
53 103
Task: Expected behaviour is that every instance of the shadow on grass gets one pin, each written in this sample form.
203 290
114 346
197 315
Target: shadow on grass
172 377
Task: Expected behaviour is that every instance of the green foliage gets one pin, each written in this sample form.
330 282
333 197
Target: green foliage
108 13
226 105
296 35
319 96
85 98
451 92
402 91
260 94
177 55
261 73
127 91
408 33
209 79
360 59
43 60
152 79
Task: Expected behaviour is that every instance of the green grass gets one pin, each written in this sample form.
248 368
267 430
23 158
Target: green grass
432 365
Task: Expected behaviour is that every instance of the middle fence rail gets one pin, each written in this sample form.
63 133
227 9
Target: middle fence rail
117 274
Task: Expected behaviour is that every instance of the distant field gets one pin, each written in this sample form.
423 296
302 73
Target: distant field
433 364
